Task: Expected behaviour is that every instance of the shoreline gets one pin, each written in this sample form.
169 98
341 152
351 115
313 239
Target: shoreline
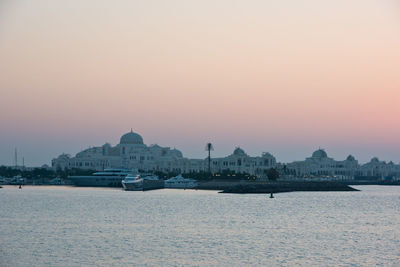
262 187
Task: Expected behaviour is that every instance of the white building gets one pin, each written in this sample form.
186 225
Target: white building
131 152
380 169
240 162
319 164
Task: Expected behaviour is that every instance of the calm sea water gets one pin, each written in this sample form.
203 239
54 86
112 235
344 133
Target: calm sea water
67 226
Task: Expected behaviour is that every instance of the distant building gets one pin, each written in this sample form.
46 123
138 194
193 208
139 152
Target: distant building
376 169
131 152
240 162
319 164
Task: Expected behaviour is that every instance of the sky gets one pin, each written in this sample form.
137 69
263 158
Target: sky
284 77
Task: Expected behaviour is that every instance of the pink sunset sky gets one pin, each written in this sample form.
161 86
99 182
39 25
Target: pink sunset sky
284 76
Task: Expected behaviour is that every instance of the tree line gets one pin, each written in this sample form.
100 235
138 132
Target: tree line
38 173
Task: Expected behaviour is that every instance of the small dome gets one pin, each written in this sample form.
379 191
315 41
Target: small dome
375 159
350 158
155 146
238 151
320 153
177 153
64 156
131 138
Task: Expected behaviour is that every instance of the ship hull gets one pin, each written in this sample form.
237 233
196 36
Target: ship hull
96 181
180 186
144 185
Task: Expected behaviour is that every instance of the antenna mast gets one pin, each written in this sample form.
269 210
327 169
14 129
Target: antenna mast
15 157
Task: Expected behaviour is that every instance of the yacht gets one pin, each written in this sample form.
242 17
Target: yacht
137 182
106 178
180 182
18 180
57 181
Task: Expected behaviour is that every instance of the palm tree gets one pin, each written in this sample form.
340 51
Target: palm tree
209 147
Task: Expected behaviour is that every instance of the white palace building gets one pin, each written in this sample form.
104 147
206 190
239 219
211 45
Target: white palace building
320 165
131 153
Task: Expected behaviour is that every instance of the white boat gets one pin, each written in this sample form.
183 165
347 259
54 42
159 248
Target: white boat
5 180
180 182
131 182
18 180
137 182
106 178
57 181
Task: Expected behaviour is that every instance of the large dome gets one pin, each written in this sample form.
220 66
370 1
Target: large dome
239 152
320 153
131 138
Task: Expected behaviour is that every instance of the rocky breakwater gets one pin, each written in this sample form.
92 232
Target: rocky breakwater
280 187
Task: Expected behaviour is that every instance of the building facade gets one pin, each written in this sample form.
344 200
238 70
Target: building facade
240 162
131 152
320 165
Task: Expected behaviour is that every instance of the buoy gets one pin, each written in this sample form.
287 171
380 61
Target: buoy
272 195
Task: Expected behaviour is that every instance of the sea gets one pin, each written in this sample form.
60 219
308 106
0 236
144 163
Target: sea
71 226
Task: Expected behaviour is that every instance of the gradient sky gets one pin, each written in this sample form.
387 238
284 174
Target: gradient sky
284 76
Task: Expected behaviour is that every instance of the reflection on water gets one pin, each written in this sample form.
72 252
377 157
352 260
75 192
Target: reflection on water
67 226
